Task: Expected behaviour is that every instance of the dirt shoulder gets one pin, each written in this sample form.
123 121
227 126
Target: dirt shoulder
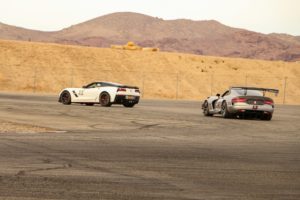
12 127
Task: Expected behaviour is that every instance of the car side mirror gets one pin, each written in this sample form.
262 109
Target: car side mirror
218 95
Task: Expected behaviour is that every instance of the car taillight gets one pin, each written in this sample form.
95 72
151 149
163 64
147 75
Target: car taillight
269 102
137 90
238 100
121 90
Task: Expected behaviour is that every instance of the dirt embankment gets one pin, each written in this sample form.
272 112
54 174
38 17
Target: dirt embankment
48 68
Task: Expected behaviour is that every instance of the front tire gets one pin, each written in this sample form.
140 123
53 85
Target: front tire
105 99
66 98
206 109
224 111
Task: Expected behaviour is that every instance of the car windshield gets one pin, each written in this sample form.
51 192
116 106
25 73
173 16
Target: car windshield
244 92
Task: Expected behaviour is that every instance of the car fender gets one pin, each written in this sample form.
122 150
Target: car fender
210 101
74 96
112 91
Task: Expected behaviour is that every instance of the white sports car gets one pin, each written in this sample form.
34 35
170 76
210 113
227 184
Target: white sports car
103 93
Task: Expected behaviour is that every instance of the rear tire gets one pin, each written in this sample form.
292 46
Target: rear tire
128 105
65 98
267 117
206 109
104 99
224 111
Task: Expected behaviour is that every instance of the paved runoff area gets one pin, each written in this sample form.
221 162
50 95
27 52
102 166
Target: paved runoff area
157 150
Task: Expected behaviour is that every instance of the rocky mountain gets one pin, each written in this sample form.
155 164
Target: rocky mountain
197 37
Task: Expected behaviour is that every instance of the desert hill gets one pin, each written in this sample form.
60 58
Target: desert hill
48 68
18 33
196 37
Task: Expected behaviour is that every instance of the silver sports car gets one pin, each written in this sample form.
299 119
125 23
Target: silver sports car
241 102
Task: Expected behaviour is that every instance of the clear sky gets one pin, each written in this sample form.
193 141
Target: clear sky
266 16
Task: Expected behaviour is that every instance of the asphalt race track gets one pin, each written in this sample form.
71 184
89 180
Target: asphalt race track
156 150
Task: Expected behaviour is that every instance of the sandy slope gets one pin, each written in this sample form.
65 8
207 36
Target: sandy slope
47 68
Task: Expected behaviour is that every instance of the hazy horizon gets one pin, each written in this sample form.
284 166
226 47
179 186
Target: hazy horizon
264 16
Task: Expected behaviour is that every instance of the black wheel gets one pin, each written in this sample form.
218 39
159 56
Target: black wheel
128 105
206 109
65 98
267 117
224 110
89 104
105 99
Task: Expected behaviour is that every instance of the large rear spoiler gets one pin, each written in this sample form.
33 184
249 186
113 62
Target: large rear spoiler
275 91
127 86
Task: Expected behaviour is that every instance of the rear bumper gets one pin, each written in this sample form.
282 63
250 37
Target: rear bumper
261 109
254 114
120 99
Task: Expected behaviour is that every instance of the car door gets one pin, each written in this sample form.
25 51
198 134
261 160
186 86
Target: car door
91 92
218 105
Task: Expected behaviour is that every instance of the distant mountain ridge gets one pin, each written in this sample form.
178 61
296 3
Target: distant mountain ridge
197 37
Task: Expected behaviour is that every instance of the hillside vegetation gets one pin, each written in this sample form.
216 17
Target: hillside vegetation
48 68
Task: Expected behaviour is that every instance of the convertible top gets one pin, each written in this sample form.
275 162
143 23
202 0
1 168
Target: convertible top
255 88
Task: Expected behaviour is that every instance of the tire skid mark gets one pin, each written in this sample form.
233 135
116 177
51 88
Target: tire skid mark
47 160
24 172
38 148
144 126
72 163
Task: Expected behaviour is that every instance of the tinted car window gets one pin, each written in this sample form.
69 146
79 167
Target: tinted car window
243 92
92 85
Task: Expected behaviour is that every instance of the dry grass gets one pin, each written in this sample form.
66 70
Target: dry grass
47 68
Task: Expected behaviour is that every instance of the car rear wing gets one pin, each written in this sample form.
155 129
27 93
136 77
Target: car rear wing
264 90
127 86
103 84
